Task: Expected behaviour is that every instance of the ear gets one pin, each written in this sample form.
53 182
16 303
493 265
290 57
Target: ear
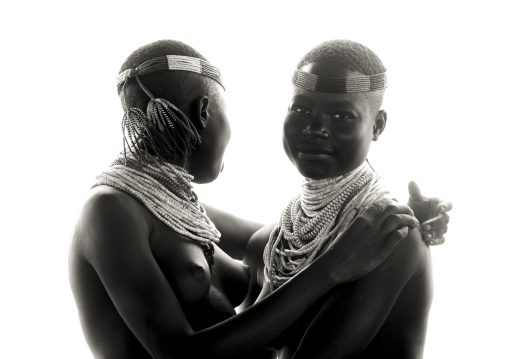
379 124
202 111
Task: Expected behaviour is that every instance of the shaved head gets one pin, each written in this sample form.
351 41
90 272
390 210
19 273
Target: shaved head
351 55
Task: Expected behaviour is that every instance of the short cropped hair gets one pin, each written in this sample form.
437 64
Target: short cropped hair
352 55
178 87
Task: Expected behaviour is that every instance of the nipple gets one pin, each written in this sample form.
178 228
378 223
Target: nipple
197 271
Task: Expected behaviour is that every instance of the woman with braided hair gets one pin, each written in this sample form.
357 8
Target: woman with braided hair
152 270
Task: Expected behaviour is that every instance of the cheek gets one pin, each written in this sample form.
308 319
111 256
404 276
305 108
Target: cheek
292 128
288 136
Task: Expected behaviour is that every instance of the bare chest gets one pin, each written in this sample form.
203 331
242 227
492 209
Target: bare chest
207 293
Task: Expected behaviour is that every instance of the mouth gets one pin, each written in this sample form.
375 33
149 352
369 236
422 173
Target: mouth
312 152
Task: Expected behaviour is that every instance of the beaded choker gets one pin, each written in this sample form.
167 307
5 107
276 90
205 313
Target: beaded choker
166 190
313 219
317 83
172 62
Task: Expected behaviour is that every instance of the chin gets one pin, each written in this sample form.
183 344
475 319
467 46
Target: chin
318 172
314 174
207 177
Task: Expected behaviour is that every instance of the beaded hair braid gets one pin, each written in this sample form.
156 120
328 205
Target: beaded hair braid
151 141
166 191
313 219
163 130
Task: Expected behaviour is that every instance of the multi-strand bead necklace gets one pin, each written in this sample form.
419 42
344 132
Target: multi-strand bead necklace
166 190
313 219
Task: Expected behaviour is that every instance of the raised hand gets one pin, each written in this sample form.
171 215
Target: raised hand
432 214
368 241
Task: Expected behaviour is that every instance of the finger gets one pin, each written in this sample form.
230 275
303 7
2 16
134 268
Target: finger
440 221
375 209
396 236
435 241
386 247
434 234
397 221
414 191
392 209
444 206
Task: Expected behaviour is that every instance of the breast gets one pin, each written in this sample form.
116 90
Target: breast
232 276
207 294
185 267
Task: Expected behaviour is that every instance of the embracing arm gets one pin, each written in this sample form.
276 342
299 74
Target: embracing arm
235 231
353 314
118 249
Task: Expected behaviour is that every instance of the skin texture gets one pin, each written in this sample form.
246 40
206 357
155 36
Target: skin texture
383 314
143 290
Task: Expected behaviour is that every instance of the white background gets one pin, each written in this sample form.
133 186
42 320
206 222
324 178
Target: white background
60 126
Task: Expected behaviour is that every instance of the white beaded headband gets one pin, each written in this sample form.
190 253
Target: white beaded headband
317 83
172 62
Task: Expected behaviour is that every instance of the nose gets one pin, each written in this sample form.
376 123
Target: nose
315 129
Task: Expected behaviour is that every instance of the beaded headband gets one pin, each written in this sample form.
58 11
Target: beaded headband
343 85
172 62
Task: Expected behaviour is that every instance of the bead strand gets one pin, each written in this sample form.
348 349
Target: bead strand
314 218
166 190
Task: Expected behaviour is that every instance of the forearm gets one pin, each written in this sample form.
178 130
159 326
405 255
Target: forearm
256 327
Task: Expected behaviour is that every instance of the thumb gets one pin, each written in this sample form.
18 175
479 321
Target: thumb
414 191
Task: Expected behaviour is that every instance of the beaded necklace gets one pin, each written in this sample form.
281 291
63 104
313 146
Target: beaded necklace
166 190
315 217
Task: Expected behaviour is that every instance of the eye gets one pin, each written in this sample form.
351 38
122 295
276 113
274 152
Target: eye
299 109
342 116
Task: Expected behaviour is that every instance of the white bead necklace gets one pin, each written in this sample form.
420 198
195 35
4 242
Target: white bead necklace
313 219
166 190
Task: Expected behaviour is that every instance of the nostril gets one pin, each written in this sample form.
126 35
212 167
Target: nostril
317 133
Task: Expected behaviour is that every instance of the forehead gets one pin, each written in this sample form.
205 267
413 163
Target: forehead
333 101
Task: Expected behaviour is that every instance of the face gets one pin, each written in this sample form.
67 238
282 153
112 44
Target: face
329 134
208 159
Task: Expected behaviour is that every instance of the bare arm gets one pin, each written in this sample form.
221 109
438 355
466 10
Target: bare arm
235 231
254 259
120 253
353 313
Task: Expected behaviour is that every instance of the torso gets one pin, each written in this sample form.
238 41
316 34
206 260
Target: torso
402 334
207 295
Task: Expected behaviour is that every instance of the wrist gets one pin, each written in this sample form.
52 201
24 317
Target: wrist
332 272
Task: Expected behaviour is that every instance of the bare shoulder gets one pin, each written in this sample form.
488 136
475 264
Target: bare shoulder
256 245
108 216
253 256
411 255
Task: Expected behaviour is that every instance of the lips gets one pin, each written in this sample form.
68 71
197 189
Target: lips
312 152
